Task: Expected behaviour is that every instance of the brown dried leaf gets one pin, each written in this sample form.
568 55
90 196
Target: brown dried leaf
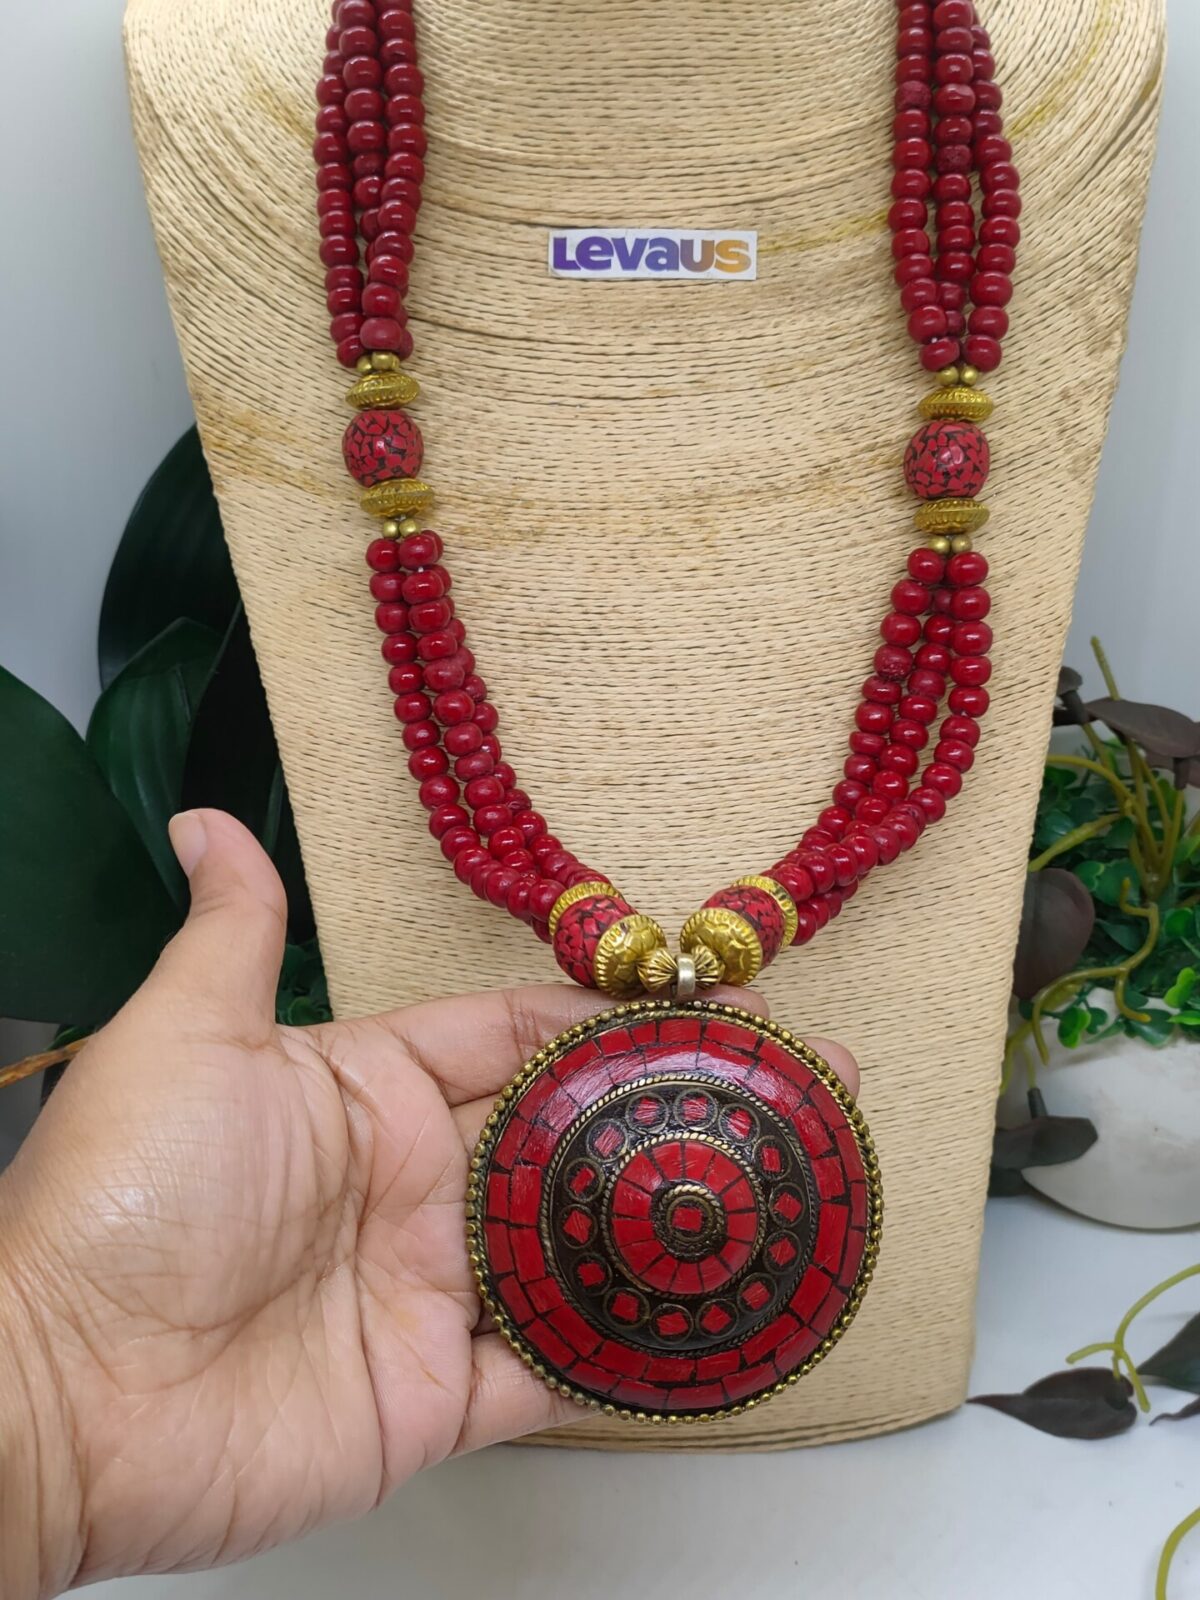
1056 924
1156 728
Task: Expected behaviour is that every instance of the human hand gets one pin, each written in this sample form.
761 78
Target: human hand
235 1299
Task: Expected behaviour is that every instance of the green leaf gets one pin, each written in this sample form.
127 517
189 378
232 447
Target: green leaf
233 764
1188 1019
83 911
1105 879
1052 825
1129 936
1180 991
1072 1026
172 561
1157 1031
139 735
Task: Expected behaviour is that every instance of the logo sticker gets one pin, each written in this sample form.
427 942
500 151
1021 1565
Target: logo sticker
665 253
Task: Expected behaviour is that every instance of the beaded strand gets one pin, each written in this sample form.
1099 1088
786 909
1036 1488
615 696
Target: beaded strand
947 132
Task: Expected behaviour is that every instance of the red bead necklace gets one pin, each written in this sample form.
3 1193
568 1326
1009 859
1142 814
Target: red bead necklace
690 1229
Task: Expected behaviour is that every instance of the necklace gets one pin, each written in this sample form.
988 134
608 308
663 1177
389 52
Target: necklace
675 1209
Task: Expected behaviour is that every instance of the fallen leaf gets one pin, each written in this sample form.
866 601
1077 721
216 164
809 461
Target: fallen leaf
1192 1409
1080 1403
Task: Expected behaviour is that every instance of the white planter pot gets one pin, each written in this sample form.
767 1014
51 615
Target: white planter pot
1144 1169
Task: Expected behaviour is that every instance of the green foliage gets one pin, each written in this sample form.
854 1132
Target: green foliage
1164 990
89 886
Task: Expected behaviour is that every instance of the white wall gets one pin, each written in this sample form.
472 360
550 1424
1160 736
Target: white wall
84 313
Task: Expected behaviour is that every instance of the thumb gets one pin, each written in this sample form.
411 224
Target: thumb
224 962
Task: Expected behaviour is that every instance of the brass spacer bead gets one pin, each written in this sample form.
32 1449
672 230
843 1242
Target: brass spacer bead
730 937
392 529
658 970
960 544
384 360
939 543
396 497
950 516
948 377
959 402
968 374
409 525
621 949
572 896
791 917
363 364
383 390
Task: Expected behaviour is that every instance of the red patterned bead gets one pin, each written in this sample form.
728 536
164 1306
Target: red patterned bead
379 445
760 909
946 458
579 931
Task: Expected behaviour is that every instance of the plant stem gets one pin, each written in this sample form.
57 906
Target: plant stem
1110 683
1174 1540
1077 836
1117 1343
32 1065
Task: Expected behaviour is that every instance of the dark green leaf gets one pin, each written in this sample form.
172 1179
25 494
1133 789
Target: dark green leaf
1129 935
139 735
1080 1403
1157 1031
83 912
1105 879
233 764
303 996
1056 922
1177 1364
1042 1142
172 561
1052 825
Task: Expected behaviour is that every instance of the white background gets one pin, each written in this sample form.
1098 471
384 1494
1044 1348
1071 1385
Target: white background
973 1506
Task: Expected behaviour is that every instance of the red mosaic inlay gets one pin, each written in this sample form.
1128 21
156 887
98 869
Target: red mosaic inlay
675 1211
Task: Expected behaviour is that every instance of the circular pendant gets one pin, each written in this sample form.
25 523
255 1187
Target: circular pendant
674 1211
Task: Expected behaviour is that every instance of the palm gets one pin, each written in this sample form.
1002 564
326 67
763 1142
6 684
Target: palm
249 1243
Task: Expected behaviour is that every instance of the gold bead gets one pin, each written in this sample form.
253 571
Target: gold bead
385 361
948 377
409 525
940 543
396 497
709 967
960 543
791 918
730 937
969 374
392 530
621 949
965 405
950 516
363 364
657 970
572 896
384 390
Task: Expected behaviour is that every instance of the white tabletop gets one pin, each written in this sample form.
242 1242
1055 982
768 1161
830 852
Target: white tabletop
972 1507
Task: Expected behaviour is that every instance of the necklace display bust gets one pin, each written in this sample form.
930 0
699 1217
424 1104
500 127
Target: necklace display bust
675 509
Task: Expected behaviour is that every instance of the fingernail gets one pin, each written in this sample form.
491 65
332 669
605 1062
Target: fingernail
189 839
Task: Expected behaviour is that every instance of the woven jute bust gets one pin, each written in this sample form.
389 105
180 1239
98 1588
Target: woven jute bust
674 513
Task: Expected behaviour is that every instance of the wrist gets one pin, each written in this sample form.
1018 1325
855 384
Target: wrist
41 1496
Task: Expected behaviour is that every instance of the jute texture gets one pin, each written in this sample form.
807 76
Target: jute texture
674 513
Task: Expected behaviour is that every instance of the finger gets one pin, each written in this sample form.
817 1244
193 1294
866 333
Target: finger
474 1044
224 962
506 1399
471 1115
